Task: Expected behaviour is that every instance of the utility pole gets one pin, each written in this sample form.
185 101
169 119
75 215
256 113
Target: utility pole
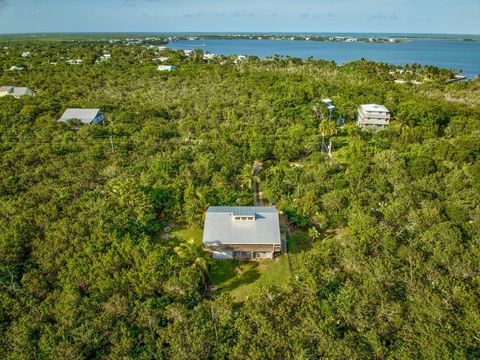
111 144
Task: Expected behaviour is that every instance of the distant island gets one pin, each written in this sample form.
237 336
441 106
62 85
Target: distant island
291 37
316 37
167 36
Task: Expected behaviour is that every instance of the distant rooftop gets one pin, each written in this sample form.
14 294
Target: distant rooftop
7 89
86 116
373 108
15 91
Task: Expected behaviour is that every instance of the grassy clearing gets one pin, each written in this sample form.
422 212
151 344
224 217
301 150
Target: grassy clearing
242 278
184 233
180 234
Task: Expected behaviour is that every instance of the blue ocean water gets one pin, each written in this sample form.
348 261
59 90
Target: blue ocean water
448 54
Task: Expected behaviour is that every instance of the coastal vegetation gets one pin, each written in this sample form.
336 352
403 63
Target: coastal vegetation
100 226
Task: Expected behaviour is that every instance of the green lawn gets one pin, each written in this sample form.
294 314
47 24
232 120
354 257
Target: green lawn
183 234
241 278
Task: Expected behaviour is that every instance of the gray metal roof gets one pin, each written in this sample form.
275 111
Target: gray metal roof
16 91
86 116
7 89
20 91
222 228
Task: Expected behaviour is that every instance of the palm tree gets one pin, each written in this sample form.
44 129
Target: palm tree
192 253
246 177
327 128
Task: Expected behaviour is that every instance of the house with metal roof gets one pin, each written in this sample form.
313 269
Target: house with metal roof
16 92
86 116
373 116
242 232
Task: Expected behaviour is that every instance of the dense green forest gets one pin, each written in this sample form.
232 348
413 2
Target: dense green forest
390 266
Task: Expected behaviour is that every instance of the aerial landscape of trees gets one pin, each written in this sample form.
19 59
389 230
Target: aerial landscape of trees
392 265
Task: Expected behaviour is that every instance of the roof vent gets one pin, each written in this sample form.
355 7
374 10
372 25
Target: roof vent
244 218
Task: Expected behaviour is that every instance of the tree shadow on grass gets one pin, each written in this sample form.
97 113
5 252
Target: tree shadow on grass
246 277
228 275
223 270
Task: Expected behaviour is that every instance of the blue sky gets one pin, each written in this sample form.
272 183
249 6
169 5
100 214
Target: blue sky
425 16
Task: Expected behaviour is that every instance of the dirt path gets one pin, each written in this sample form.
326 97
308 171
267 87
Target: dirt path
258 200
257 196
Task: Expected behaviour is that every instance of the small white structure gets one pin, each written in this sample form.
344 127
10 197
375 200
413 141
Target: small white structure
166 68
85 116
16 92
209 56
329 104
240 58
26 54
157 48
14 68
104 57
188 52
74 61
457 78
373 116
161 58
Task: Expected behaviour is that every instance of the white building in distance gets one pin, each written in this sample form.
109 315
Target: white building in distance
373 116
104 57
161 58
74 61
209 56
166 68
